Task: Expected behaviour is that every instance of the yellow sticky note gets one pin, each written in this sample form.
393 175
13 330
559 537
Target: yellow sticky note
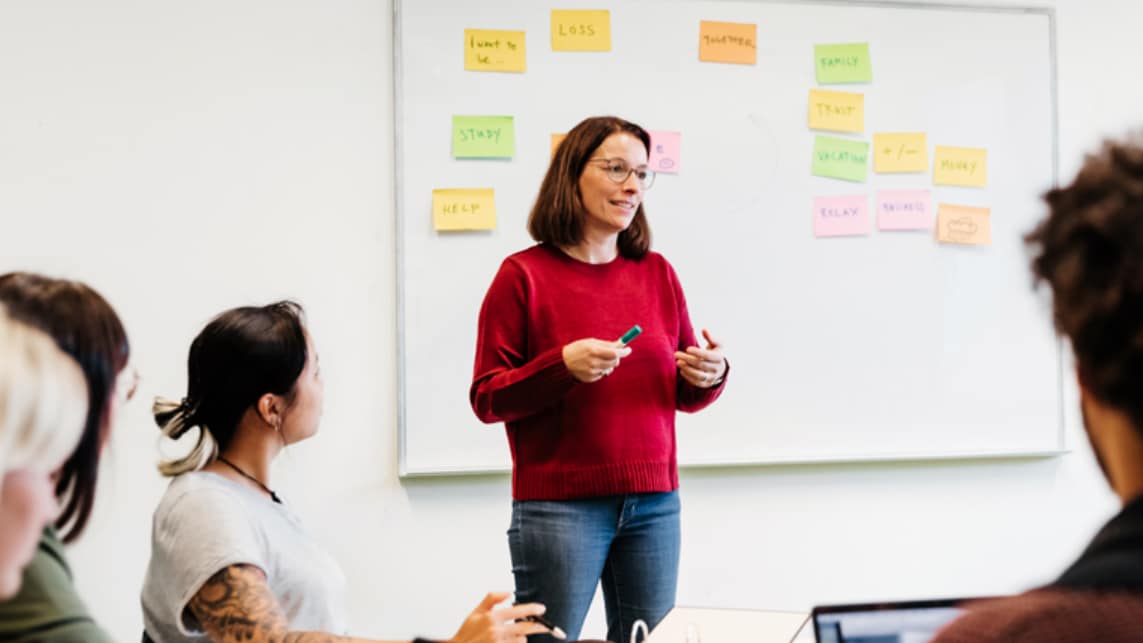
965 166
964 224
900 152
492 50
556 140
728 42
464 209
837 111
581 30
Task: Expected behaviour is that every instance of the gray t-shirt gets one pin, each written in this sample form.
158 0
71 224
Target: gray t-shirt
205 523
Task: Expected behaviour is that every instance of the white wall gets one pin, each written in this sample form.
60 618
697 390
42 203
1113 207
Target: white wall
184 157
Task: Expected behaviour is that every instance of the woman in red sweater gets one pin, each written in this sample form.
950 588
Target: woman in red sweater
590 421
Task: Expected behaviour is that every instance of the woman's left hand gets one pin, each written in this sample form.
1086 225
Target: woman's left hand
702 367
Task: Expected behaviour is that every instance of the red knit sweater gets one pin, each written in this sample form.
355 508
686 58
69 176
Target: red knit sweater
570 439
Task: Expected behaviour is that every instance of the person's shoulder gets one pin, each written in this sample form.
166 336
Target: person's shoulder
1051 615
191 493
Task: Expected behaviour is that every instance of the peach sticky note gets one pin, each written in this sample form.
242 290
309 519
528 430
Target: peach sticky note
839 216
964 166
556 140
728 42
964 224
492 50
579 30
900 152
464 209
666 148
837 111
904 210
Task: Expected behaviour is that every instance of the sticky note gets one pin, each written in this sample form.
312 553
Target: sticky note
839 216
964 224
837 111
964 166
728 42
840 158
578 30
666 157
556 140
904 210
464 209
848 63
900 152
493 50
483 137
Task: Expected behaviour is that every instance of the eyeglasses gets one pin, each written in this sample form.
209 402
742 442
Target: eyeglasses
618 171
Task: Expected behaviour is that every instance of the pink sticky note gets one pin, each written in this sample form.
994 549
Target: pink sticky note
666 156
838 216
904 210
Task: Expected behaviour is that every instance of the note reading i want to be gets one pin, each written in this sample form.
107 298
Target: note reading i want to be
581 30
492 50
840 158
836 111
848 63
464 209
728 42
483 137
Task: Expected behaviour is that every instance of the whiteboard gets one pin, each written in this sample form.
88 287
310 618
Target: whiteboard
881 347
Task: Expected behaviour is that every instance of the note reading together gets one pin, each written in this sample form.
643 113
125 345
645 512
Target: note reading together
491 50
964 224
838 216
581 30
848 63
464 209
837 111
904 152
964 166
728 42
666 156
840 158
904 210
483 137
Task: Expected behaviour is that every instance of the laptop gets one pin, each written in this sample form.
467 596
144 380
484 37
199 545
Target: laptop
890 622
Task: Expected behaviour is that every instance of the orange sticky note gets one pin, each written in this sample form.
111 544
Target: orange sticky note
492 50
728 42
836 111
964 224
556 140
464 209
964 166
900 152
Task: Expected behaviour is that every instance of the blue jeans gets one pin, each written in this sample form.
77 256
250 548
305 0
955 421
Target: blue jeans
630 543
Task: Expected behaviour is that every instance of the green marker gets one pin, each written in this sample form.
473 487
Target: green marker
630 335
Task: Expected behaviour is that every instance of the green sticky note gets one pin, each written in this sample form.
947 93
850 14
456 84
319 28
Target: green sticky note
840 158
483 137
848 63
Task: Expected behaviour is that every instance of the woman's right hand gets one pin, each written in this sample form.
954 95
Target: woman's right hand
590 360
489 625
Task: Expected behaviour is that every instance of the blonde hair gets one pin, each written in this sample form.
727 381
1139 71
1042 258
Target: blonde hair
43 399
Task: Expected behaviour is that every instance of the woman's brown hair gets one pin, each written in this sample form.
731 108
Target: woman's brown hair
558 214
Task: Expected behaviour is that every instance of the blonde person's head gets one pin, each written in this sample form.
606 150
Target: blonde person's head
43 403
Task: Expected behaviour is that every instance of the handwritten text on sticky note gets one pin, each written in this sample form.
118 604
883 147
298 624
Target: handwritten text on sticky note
578 30
840 158
728 42
964 224
964 166
464 209
666 152
900 152
483 137
904 210
839 216
848 63
837 111
493 50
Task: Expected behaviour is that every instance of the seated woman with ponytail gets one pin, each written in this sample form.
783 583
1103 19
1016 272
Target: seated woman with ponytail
229 560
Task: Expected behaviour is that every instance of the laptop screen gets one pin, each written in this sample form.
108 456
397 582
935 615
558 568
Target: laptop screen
897 622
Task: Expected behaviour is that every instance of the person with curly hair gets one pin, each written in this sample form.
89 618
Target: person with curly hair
1089 251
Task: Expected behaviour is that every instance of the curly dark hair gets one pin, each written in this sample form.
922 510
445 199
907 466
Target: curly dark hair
1090 251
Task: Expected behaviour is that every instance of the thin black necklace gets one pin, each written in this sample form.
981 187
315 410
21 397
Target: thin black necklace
273 496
